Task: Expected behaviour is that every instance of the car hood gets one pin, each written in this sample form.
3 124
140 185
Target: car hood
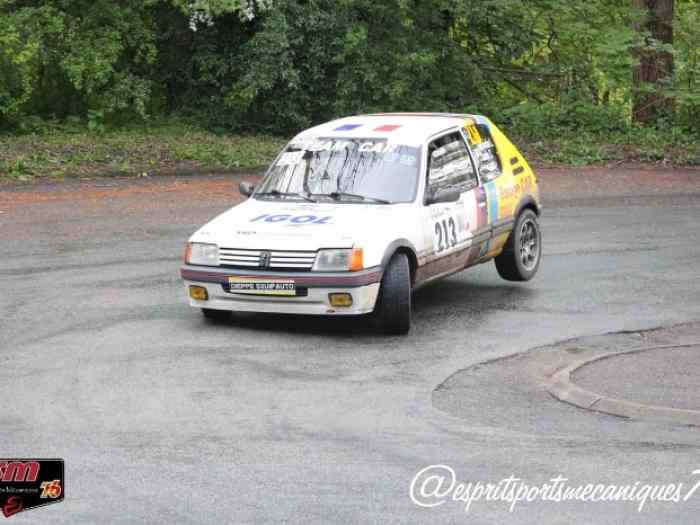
279 225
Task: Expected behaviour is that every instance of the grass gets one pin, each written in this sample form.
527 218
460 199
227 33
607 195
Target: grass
63 151
60 152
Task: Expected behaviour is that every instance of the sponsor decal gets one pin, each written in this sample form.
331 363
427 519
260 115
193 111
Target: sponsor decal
293 220
492 196
290 158
347 127
336 144
473 134
30 483
256 286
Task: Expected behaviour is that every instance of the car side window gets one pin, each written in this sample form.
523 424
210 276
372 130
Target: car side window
484 150
449 165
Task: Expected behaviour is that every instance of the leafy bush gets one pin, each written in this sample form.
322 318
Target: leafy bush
544 67
19 57
89 58
574 115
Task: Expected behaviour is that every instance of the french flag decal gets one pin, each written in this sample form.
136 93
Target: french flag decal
387 128
347 127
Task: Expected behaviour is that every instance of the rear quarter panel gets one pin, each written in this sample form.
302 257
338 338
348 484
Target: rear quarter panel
511 189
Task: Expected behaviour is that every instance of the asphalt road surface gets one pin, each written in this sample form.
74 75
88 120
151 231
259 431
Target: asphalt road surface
163 418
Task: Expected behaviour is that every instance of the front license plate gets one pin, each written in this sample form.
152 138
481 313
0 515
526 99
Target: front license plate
248 285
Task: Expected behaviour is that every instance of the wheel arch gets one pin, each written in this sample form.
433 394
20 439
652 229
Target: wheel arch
528 202
406 247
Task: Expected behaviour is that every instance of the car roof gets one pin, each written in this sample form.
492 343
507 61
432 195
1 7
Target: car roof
411 129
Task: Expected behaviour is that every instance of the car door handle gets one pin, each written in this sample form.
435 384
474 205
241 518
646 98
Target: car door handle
482 204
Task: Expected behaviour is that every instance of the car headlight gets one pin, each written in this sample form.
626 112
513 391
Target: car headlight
202 254
345 260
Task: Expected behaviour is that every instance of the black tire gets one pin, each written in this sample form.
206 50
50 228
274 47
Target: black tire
217 316
392 313
522 253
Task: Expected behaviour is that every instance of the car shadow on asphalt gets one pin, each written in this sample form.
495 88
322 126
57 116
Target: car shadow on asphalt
456 296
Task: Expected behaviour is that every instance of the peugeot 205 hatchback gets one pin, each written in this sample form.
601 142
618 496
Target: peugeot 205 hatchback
356 213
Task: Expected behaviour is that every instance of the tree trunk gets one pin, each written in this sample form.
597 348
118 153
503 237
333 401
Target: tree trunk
655 66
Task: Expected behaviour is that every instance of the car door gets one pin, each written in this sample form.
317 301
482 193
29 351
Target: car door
450 212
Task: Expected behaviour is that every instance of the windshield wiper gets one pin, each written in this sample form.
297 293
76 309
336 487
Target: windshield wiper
277 193
337 195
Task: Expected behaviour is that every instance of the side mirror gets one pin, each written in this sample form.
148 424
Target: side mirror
246 188
445 195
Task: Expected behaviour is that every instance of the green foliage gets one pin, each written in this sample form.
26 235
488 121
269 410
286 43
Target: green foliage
543 68
574 114
19 52
89 58
686 87
206 10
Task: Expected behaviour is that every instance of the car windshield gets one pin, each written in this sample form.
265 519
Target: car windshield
372 171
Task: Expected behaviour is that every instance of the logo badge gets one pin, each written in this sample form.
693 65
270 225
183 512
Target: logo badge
29 483
265 257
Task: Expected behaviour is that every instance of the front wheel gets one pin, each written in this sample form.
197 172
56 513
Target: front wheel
392 313
522 253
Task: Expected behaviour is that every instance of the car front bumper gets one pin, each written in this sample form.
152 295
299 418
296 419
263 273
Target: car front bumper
313 288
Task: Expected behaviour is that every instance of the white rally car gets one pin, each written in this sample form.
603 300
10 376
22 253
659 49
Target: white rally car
356 213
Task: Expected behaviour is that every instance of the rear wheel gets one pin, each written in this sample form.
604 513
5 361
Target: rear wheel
392 313
522 253
216 315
